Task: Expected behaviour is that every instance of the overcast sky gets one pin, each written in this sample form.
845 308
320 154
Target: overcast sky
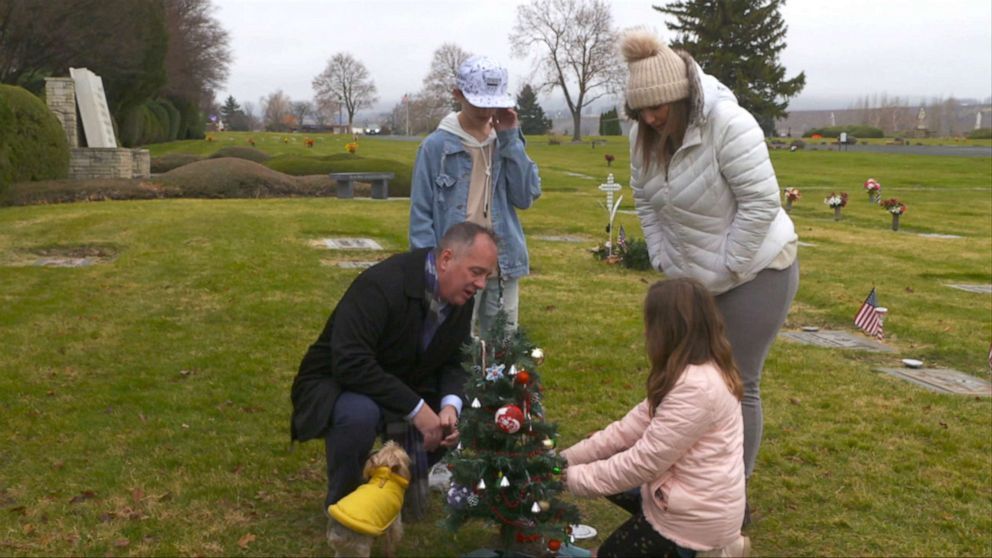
848 48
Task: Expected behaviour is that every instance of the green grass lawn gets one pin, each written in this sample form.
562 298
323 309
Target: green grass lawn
144 403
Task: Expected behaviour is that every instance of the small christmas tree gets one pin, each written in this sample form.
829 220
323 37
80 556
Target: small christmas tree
506 469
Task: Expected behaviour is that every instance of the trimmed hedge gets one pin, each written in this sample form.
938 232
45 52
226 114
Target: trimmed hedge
856 131
32 142
297 165
170 161
981 133
229 178
238 152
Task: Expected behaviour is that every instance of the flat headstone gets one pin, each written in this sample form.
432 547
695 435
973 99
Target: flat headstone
350 244
836 340
579 175
92 101
364 264
940 235
562 238
942 380
64 262
628 211
980 289
807 244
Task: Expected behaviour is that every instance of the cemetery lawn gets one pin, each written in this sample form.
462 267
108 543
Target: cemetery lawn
144 402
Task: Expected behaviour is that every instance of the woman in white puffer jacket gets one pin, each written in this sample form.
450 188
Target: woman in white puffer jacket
708 202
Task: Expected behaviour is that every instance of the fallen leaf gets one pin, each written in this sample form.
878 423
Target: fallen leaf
106 517
58 464
244 541
794 401
27 529
83 496
141 417
185 373
121 543
236 470
137 495
942 424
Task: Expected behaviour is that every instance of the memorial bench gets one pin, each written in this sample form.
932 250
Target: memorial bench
379 180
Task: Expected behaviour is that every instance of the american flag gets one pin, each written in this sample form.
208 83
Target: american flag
867 317
622 238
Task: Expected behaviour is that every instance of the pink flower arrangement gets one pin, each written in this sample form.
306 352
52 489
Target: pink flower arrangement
792 194
872 185
836 200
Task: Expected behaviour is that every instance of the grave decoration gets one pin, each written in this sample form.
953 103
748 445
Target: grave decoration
896 208
792 195
836 201
351 147
609 159
874 190
870 317
611 209
505 469
631 253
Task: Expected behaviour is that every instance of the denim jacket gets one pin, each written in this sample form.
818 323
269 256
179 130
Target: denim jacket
439 193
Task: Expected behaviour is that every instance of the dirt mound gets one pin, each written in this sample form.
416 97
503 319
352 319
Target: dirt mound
230 178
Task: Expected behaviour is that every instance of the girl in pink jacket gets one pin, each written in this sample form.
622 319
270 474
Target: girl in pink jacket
682 446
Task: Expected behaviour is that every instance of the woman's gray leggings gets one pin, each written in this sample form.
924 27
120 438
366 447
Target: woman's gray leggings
753 313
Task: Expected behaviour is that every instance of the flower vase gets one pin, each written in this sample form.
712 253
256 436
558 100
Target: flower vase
895 221
874 197
788 205
837 216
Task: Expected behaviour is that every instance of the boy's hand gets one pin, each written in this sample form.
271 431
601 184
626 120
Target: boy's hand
506 119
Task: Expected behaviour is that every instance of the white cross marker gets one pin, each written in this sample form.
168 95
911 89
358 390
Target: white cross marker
611 209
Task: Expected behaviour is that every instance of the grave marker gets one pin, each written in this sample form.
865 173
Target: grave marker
350 244
561 238
836 340
980 289
942 380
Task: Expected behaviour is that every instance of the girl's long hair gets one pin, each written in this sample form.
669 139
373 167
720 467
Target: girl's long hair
683 326
661 146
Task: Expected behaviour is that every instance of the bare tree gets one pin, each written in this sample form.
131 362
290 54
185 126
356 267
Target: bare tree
198 55
325 110
300 110
275 108
435 97
347 81
248 108
577 45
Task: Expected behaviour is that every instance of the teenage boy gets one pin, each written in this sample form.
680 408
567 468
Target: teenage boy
474 168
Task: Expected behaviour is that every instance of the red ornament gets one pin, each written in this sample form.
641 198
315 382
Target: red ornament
509 418
523 377
554 545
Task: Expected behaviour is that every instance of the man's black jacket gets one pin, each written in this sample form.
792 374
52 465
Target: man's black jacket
371 345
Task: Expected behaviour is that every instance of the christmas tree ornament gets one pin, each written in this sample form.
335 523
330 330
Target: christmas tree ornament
475 403
481 485
509 418
556 470
473 500
554 545
458 496
535 508
494 373
523 377
544 505
548 444
513 370
538 355
504 482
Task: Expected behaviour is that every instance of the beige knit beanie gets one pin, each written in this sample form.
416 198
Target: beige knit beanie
657 74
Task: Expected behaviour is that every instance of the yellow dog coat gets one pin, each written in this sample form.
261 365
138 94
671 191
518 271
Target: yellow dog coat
373 506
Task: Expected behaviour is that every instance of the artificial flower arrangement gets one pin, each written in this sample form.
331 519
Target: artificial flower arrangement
351 147
874 190
792 194
894 206
836 200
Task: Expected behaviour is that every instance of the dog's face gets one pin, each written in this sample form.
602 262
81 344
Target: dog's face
390 455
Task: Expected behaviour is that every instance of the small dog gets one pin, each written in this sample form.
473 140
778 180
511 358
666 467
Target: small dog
373 509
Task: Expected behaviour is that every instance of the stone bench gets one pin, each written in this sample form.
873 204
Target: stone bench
346 182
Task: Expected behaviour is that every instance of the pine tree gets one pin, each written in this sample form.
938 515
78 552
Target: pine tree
738 42
229 108
609 123
505 469
532 118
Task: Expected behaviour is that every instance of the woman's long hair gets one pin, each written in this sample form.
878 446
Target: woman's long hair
683 326
661 146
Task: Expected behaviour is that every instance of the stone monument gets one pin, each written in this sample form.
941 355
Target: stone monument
100 157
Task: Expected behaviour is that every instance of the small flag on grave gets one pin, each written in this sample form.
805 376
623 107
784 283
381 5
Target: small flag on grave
867 318
622 238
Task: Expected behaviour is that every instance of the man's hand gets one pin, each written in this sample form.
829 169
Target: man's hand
429 425
505 119
449 426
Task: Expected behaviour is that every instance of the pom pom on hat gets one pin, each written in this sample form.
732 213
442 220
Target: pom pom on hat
657 74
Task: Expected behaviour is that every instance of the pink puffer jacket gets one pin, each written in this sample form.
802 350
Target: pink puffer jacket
687 459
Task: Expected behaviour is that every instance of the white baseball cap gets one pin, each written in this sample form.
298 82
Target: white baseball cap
483 82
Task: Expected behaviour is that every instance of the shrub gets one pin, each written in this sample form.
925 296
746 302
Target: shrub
174 119
238 152
633 255
170 161
835 131
159 131
981 133
229 177
32 142
297 165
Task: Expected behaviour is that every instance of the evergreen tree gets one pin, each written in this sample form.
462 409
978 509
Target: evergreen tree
532 118
738 42
505 469
229 108
609 123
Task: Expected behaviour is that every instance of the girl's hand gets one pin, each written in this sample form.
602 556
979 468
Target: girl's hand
505 119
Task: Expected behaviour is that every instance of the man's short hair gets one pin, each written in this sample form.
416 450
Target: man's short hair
463 235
